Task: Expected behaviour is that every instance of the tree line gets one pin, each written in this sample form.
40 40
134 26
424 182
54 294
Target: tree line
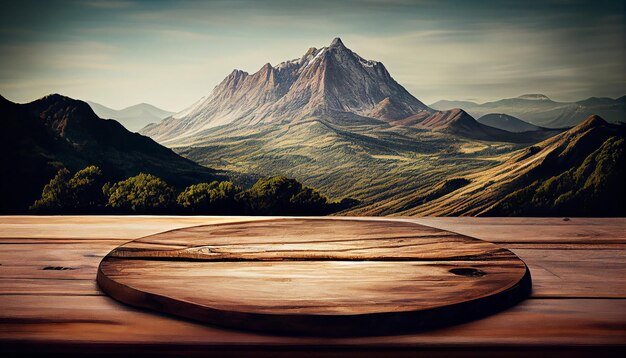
88 192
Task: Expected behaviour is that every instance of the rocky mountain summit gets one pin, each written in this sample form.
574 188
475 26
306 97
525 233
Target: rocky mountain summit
330 82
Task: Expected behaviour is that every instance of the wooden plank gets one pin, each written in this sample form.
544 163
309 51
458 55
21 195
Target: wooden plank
555 273
322 287
534 230
55 261
553 246
96 319
59 241
111 227
314 239
576 273
335 277
49 286
527 230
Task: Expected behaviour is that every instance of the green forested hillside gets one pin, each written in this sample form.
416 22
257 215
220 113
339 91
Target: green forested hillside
577 173
88 192
596 187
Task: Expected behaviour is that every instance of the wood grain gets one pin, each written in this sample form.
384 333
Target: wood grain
335 277
99 319
535 230
46 312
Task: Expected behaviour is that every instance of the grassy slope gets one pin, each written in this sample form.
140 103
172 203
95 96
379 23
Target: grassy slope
371 163
578 172
593 188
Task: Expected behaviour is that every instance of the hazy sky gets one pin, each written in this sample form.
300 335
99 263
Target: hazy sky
171 53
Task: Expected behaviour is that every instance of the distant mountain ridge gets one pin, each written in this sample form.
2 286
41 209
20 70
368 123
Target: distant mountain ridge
55 131
508 123
132 118
540 110
535 97
331 82
458 122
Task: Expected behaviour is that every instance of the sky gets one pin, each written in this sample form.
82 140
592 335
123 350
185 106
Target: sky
171 53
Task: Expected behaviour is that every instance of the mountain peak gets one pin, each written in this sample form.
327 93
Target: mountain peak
535 97
443 120
458 112
591 121
54 97
330 82
337 43
310 51
63 102
237 73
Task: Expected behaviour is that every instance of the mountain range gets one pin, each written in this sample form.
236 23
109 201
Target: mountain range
40 137
340 123
458 122
508 123
132 118
331 83
539 110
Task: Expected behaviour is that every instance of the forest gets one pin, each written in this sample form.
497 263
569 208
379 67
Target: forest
89 192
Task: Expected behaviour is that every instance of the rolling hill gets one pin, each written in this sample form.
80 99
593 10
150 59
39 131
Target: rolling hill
539 110
42 136
366 162
507 123
132 118
457 122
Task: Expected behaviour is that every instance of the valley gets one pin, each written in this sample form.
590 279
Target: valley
132 118
367 163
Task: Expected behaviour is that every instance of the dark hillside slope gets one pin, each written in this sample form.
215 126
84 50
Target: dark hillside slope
40 137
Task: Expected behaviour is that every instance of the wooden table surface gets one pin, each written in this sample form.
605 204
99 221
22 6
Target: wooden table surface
50 303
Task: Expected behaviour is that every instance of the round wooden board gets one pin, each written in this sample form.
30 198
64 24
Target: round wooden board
326 277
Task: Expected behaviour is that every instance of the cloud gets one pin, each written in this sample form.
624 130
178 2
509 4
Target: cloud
107 4
172 53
